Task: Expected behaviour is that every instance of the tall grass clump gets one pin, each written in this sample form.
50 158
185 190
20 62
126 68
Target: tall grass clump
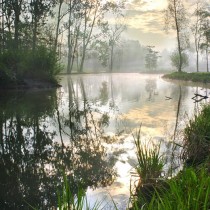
197 138
150 162
149 169
68 200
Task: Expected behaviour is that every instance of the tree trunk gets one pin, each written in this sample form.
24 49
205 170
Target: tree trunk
82 60
58 25
69 53
197 61
16 23
207 60
2 27
34 34
178 37
69 69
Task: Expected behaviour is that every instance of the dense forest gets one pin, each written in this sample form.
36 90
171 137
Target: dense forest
35 35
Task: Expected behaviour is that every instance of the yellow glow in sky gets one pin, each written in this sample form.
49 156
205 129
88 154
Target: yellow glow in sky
147 5
154 4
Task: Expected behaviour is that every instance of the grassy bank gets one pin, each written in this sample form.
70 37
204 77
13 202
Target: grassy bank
194 77
190 189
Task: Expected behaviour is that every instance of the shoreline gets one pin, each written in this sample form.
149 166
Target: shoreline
30 84
196 77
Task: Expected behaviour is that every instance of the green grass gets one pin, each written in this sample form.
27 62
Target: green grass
150 162
190 190
203 77
69 201
197 138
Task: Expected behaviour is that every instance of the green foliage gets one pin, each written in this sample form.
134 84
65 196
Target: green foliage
175 60
8 62
38 64
103 51
150 163
151 58
194 77
190 190
67 200
197 138
42 63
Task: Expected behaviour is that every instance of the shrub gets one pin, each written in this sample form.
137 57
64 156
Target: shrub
39 64
175 60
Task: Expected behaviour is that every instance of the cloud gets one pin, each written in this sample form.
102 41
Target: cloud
161 41
146 5
145 15
146 21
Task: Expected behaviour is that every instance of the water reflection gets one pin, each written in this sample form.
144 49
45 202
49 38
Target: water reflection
38 140
85 128
151 86
103 97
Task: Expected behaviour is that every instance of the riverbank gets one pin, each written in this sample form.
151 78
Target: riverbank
203 77
29 83
190 188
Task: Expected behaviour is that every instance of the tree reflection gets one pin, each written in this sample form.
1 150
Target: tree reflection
104 93
32 161
151 86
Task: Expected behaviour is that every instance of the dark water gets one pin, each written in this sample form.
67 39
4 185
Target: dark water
85 129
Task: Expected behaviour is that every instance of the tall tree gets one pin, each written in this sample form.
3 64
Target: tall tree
59 18
114 38
175 18
2 32
110 40
40 11
93 13
17 6
73 28
205 29
196 30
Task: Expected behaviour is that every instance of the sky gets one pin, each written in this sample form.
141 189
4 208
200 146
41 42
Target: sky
145 22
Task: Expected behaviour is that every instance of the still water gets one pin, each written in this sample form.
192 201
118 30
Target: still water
86 128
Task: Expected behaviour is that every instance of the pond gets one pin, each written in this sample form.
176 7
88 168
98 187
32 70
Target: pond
86 129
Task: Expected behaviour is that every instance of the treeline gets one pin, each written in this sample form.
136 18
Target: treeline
184 23
35 35
25 41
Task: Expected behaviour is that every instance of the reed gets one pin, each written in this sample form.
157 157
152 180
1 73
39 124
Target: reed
150 162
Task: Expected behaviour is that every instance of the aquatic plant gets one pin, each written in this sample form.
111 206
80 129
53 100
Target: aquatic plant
67 200
150 162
